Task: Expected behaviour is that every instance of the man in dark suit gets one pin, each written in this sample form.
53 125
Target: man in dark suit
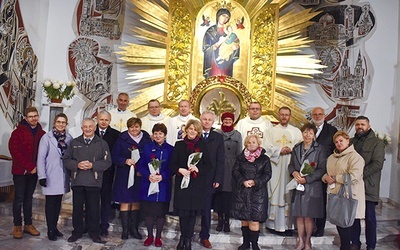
324 136
215 145
110 135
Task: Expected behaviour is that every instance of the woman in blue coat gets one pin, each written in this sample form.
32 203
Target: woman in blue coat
51 173
155 157
129 199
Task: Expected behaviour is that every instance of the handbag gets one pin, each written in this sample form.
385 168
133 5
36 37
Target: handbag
341 211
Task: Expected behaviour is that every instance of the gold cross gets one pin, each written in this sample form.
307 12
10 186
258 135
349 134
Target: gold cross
284 141
119 125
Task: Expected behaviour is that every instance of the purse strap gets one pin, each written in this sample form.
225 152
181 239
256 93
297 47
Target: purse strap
346 183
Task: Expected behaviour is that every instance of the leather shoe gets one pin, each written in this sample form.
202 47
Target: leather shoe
52 235
96 239
148 241
17 232
206 243
158 242
73 238
30 229
104 232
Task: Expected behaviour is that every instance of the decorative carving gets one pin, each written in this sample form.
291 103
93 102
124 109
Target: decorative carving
262 73
221 105
178 54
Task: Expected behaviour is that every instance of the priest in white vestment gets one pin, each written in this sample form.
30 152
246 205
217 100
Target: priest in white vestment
254 123
278 144
121 114
176 125
154 116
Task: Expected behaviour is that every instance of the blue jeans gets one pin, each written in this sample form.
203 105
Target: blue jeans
370 223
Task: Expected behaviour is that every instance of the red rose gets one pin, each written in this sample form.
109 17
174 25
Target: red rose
194 175
197 150
153 156
133 147
313 164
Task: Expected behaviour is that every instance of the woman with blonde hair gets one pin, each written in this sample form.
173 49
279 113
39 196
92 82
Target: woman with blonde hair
346 160
250 174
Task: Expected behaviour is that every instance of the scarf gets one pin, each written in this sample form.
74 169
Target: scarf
190 143
60 137
226 128
252 156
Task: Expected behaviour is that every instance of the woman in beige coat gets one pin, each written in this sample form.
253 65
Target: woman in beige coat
345 160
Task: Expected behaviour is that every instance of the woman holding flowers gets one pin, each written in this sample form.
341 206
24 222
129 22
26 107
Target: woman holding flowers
190 163
127 177
307 166
250 174
155 189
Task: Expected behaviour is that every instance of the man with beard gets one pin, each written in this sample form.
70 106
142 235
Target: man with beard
372 149
278 144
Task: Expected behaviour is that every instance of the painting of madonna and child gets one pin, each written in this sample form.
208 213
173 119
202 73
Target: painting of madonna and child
222 41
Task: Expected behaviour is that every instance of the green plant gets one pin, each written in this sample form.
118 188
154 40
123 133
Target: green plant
58 90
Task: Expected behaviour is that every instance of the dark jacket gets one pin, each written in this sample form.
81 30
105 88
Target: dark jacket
250 204
96 152
325 138
110 136
216 150
163 153
372 149
23 146
192 197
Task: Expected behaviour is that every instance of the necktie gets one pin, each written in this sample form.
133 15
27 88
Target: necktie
87 141
102 133
205 135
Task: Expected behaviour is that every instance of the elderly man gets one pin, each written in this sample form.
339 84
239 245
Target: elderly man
87 158
121 114
176 125
278 143
372 149
254 123
215 145
110 135
154 116
324 137
23 146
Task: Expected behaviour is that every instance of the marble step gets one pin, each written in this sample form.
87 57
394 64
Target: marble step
388 228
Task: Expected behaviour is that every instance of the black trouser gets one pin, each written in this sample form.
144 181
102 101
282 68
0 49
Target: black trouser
345 234
206 217
320 222
106 196
52 210
187 226
88 198
24 187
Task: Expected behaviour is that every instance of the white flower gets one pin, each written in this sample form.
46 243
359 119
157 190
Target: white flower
76 91
47 83
68 83
56 85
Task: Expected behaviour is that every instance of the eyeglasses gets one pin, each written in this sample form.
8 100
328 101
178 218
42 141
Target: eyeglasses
32 116
154 107
254 108
61 123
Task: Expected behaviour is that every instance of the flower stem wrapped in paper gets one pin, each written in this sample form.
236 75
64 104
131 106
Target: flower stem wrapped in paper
134 156
154 168
193 159
306 169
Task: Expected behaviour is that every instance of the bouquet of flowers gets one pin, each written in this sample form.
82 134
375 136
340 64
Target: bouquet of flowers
154 168
385 138
307 168
193 159
59 90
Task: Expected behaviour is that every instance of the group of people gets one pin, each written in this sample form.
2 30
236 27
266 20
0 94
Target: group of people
254 172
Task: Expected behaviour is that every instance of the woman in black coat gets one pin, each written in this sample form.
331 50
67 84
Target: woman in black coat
250 175
189 201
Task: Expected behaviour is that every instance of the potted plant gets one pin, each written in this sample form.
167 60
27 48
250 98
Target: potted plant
56 91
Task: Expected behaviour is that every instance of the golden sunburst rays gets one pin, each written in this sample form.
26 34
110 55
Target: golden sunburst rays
147 60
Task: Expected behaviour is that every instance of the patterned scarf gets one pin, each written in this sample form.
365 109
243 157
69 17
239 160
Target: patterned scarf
252 156
60 137
190 143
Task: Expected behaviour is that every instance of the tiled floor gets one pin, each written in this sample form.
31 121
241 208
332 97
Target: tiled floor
388 229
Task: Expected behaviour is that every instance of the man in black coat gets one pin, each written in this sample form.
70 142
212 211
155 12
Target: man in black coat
324 137
110 135
215 146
